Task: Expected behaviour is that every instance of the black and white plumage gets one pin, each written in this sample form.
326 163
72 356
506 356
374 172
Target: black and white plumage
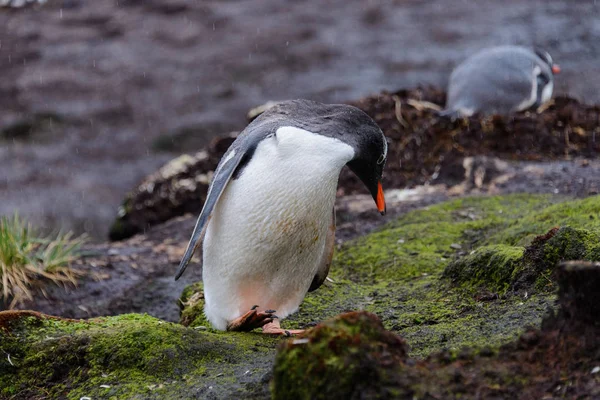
501 80
268 220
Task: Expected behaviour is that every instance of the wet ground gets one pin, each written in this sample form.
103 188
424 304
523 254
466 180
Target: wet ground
136 275
96 95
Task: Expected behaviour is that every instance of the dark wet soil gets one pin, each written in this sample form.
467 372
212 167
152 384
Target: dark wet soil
96 95
136 275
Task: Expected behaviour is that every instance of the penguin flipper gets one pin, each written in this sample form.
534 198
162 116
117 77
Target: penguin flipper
226 169
323 270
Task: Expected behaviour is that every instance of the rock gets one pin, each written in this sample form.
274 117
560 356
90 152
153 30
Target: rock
128 356
479 174
350 356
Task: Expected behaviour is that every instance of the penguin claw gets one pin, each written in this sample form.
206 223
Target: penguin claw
270 311
251 320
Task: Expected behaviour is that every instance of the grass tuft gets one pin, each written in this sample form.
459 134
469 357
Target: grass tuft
28 262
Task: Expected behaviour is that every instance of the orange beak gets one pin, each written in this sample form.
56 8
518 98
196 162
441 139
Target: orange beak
556 69
380 199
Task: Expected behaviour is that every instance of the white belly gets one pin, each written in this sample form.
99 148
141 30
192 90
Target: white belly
267 233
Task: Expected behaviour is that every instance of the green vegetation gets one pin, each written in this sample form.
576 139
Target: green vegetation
462 273
357 354
27 261
191 304
123 357
466 273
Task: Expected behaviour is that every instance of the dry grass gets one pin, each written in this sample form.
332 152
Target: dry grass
28 262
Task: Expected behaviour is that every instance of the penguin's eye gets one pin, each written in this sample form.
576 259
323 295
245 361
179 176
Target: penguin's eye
381 159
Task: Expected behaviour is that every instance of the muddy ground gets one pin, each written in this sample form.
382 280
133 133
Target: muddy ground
136 275
101 93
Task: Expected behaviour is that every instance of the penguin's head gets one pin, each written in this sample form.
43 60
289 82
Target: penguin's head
547 59
370 156
357 129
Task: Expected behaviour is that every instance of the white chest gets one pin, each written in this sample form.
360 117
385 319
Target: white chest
269 228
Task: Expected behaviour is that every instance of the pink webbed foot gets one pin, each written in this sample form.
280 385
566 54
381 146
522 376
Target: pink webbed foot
274 328
251 320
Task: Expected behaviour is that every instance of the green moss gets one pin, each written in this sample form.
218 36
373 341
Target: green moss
400 253
330 299
583 213
398 271
424 241
116 357
191 304
500 268
489 267
341 357
547 251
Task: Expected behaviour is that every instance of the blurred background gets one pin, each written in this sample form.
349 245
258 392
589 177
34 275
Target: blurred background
96 95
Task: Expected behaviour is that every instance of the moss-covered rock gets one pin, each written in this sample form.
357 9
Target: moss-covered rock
502 268
128 356
491 267
357 358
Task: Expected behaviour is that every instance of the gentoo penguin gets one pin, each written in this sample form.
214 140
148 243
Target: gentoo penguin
268 220
501 80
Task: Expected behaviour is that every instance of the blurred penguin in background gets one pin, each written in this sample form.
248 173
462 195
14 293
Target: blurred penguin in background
501 80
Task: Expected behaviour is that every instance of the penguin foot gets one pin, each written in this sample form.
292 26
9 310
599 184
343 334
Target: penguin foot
273 328
251 320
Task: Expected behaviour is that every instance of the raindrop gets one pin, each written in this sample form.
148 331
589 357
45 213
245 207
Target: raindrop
61 13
